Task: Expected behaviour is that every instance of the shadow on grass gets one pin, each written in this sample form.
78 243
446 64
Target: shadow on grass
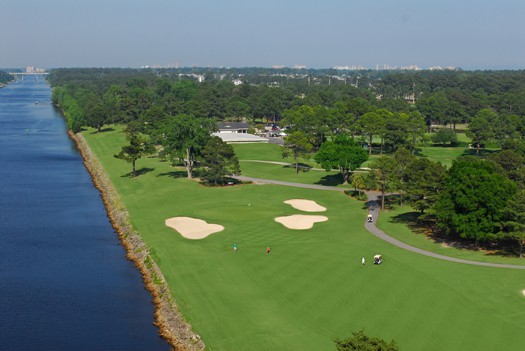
511 251
224 182
139 172
303 167
412 220
174 174
103 130
466 151
331 180
424 227
418 152
482 152
391 201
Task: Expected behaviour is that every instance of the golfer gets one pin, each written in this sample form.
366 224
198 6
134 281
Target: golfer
267 250
234 248
363 261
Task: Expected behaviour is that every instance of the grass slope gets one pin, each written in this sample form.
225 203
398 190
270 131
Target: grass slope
312 287
398 222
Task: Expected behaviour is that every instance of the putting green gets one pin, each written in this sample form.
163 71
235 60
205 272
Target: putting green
312 287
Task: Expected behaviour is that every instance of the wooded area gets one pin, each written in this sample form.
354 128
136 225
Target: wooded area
390 113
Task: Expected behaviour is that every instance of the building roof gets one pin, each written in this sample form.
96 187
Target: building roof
232 125
240 138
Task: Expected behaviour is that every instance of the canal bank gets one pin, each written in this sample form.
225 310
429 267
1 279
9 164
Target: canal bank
171 324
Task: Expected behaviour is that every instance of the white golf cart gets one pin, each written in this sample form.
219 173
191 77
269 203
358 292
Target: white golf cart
378 259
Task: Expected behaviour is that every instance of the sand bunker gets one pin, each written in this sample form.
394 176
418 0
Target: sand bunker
300 221
192 228
305 205
523 292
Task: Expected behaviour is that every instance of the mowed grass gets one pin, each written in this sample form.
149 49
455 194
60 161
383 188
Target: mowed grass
255 160
287 173
268 152
445 155
311 288
397 223
247 153
259 151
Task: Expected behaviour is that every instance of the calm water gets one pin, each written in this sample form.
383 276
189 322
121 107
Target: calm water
64 281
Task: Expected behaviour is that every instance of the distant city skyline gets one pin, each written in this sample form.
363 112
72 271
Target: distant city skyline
467 34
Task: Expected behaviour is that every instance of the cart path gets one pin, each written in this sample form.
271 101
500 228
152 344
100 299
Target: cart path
287 164
373 204
297 185
301 167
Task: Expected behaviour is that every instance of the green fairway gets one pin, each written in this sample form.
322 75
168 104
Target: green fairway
256 161
267 152
445 155
311 288
287 173
259 151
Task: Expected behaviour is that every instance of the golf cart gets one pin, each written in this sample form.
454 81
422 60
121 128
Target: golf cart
369 218
378 259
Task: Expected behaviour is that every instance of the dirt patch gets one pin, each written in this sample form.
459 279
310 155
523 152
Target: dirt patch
305 205
193 228
300 221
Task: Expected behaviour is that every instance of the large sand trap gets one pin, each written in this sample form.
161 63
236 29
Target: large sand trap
192 228
300 221
523 292
305 205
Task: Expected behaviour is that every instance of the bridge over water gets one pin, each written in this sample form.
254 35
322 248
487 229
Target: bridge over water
23 75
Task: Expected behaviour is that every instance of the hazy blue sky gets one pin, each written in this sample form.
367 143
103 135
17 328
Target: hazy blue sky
471 34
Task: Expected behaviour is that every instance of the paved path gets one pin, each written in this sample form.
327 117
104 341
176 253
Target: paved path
297 185
289 165
359 170
374 205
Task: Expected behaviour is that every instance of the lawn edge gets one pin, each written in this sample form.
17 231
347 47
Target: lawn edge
168 319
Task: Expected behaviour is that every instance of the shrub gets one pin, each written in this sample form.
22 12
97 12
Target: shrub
360 342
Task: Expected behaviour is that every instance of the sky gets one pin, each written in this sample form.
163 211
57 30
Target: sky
469 34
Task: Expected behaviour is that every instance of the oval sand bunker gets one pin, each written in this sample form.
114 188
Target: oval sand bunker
305 205
192 228
300 221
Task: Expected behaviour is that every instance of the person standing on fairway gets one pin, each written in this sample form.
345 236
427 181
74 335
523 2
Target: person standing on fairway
234 248
363 261
267 250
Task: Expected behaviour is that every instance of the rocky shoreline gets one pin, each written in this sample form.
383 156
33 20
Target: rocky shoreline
172 327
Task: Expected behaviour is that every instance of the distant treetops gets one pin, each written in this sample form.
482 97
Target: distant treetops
477 199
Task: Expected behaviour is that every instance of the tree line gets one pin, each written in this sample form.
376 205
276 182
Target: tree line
476 199
442 97
5 77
